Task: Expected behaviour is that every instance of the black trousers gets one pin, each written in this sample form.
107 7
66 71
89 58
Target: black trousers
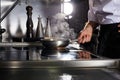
109 41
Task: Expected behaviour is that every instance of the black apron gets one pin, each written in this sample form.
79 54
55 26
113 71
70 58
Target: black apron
109 41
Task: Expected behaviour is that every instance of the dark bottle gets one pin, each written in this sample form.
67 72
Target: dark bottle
29 23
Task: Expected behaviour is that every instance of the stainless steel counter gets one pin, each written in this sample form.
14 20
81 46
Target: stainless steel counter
60 70
32 62
61 64
33 55
58 74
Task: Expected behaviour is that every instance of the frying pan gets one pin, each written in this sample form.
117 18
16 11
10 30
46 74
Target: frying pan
55 43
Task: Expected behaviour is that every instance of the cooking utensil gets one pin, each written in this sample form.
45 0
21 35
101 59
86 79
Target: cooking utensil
56 43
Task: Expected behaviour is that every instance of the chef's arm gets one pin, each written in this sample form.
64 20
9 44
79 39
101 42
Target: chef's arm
86 34
91 24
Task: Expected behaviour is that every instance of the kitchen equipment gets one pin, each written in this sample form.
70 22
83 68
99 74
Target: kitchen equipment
29 22
39 30
2 31
63 54
48 32
55 43
8 11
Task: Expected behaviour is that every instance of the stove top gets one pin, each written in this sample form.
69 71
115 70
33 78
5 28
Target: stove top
67 54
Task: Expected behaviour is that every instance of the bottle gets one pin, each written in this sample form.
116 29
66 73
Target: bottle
29 23
39 31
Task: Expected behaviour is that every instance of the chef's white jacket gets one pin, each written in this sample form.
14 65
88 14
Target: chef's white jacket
104 11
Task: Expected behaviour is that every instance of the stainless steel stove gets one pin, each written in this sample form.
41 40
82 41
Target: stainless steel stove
37 63
35 53
56 74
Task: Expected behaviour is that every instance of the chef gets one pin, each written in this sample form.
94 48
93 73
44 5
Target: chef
106 14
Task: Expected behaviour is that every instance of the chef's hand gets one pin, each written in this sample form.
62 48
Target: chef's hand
86 34
118 27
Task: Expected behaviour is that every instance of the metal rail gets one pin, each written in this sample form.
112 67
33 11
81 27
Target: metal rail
19 44
9 10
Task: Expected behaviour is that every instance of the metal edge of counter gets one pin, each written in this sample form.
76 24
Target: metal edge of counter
109 63
19 44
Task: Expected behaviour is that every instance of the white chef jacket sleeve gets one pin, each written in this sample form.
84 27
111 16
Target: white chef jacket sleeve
91 15
91 12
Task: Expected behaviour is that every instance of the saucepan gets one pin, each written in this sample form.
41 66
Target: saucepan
56 43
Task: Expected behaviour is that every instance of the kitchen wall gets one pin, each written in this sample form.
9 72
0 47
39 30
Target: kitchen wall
79 14
15 22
